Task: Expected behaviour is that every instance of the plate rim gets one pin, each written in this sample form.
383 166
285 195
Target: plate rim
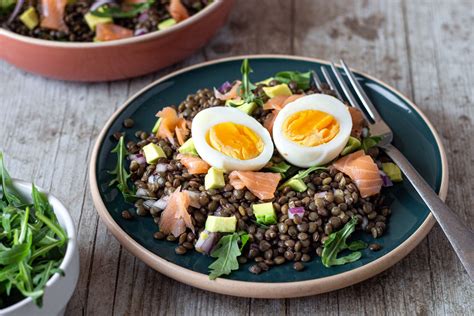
262 289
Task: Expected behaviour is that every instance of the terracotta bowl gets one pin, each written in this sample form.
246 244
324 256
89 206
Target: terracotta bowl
116 59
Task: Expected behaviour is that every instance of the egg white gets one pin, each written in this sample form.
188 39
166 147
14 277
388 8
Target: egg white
303 156
207 118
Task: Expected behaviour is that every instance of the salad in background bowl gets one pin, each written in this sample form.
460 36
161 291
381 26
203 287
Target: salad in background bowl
39 259
131 39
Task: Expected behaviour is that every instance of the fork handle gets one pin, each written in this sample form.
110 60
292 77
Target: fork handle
459 235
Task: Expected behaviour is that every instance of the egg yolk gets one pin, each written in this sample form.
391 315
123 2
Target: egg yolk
235 140
310 127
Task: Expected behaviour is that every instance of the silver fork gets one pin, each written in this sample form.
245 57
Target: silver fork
459 235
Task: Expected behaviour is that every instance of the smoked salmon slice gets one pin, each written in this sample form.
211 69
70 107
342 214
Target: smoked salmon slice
109 32
262 184
52 14
362 169
169 121
178 11
195 165
233 93
181 130
175 217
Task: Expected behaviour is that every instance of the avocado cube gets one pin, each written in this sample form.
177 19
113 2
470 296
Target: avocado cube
392 171
234 103
281 89
156 126
217 224
265 82
166 24
153 152
93 20
352 145
264 213
30 18
296 184
188 148
247 108
214 179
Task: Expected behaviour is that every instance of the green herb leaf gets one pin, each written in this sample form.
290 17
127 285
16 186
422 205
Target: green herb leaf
40 202
14 254
246 88
227 250
32 243
244 238
336 242
357 245
300 176
302 79
120 13
6 187
6 5
370 142
121 174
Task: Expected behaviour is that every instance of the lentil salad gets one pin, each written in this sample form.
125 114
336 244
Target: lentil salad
307 218
94 21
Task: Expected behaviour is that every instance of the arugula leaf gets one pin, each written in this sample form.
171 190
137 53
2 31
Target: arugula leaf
119 13
337 241
300 176
6 5
244 238
226 251
302 79
357 245
370 142
6 187
121 174
247 87
32 243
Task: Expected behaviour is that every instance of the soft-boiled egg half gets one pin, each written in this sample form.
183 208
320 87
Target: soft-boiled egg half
312 130
229 139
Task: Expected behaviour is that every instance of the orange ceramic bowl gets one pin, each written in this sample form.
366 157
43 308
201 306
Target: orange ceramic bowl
118 59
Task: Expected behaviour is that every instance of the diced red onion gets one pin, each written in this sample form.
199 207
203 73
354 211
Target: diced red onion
143 193
365 222
140 31
218 95
296 211
100 3
194 199
138 158
148 204
162 203
386 180
320 195
365 132
161 167
226 86
16 10
206 242
143 16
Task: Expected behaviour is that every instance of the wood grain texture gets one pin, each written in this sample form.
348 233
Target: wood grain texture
424 48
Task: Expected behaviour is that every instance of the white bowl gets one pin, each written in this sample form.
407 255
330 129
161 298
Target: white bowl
59 289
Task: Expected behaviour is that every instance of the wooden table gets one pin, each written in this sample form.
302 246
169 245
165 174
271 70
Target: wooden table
423 47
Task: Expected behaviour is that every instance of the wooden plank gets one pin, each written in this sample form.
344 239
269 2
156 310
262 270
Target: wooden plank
368 35
424 48
441 48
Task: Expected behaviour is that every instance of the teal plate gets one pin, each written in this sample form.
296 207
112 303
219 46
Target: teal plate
408 225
